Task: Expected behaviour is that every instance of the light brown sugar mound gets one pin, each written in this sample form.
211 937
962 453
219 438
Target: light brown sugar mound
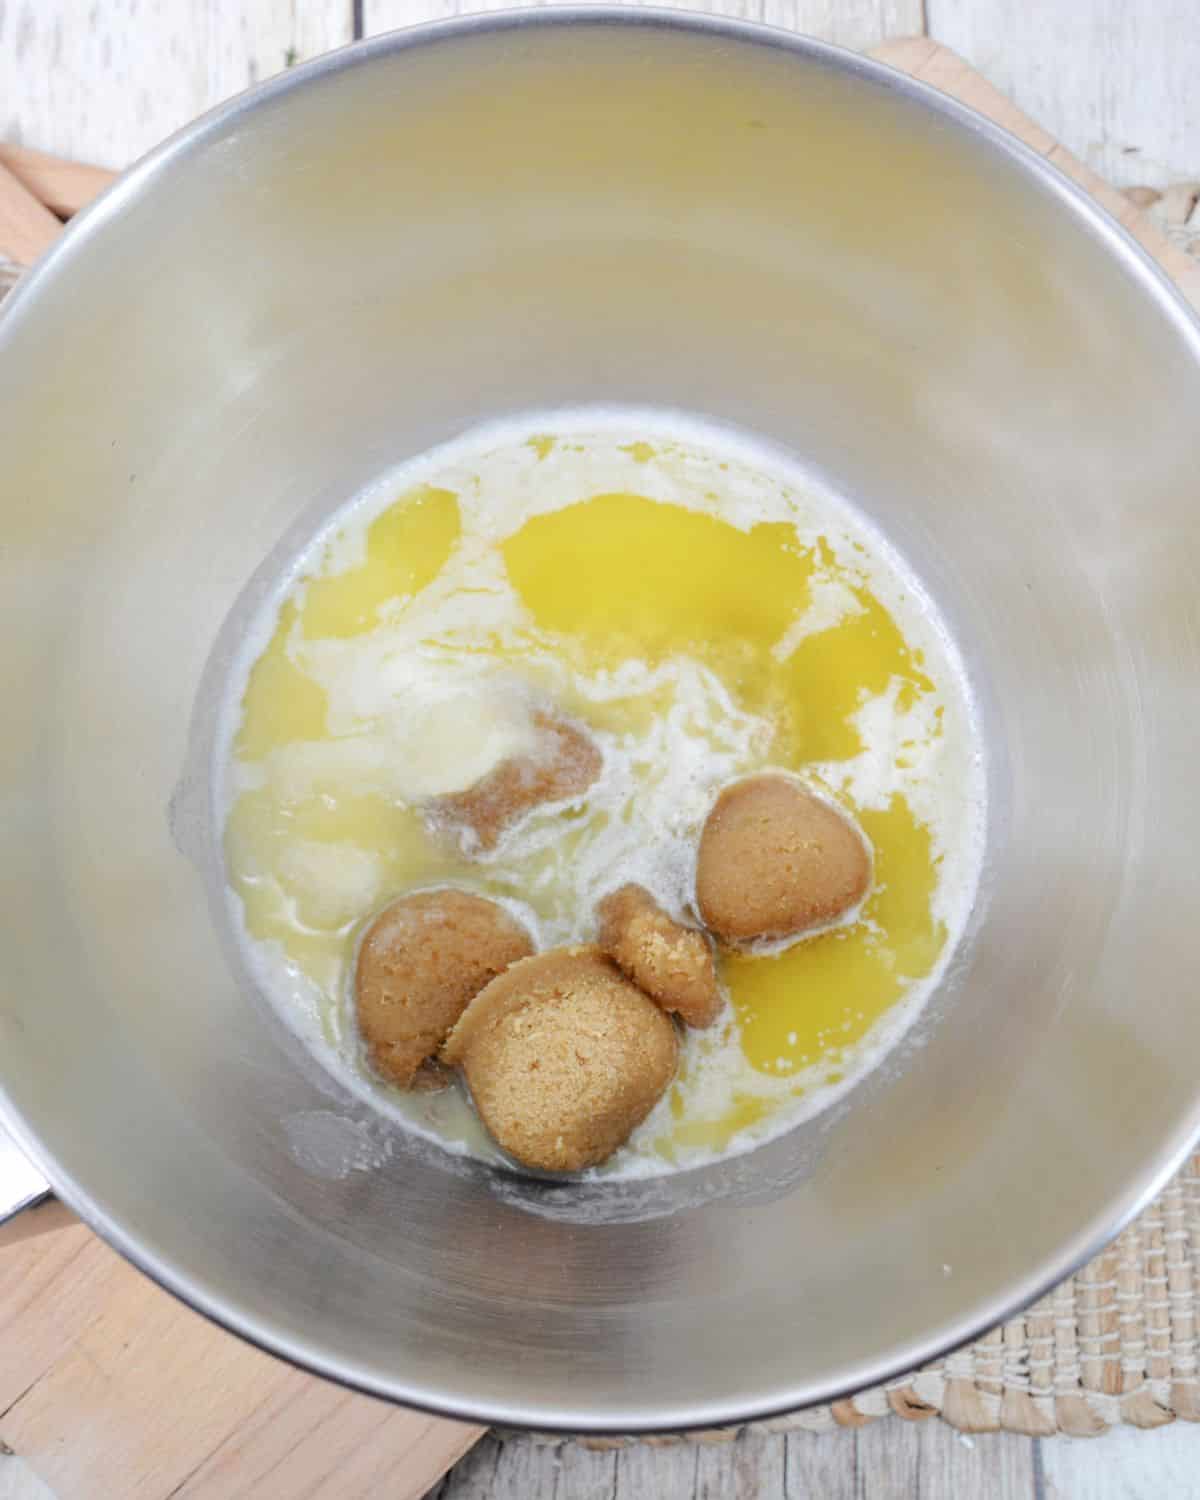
776 861
671 962
564 1058
419 963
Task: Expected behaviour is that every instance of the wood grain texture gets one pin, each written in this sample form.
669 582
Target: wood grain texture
821 1466
888 1460
1124 1464
109 1387
951 1465
27 227
1117 81
63 186
850 23
107 84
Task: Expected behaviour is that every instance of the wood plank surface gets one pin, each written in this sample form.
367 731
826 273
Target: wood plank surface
110 1389
889 1460
1117 81
104 83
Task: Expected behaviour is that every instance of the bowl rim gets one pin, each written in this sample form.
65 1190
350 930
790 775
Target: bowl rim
260 1331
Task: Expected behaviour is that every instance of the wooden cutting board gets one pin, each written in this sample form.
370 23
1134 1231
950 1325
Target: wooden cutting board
109 1387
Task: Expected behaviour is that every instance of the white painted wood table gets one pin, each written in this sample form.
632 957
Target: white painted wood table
1118 82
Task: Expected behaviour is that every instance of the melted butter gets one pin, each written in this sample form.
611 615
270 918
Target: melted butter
407 547
613 578
668 581
659 580
831 673
281 704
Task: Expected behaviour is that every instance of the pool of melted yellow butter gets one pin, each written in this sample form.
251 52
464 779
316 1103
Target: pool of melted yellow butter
317 837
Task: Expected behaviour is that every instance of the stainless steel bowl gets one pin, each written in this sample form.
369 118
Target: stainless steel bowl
529 210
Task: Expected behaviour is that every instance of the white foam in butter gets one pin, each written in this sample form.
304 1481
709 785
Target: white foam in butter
441 689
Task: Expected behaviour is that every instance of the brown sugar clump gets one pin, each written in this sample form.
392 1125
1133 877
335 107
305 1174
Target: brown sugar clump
776 861
672 963
564 1058
563 763
420 961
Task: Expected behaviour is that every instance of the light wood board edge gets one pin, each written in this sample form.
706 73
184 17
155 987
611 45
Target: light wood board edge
109 1386
64 187
27 227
